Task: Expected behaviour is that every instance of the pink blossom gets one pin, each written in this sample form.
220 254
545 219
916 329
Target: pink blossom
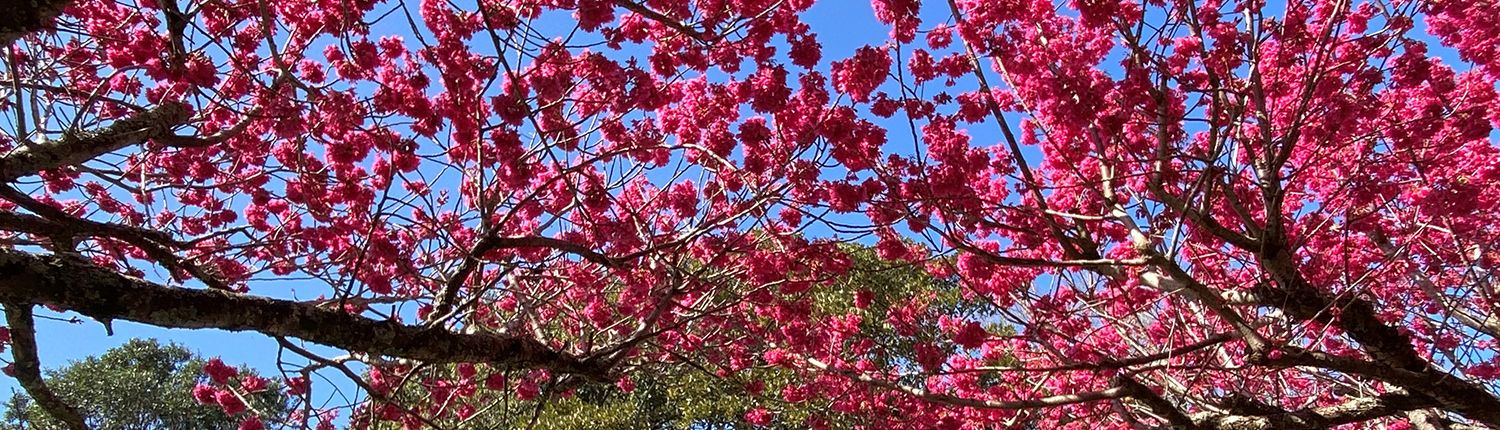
253 384
218 372
626 384
230 402
205 394
758 416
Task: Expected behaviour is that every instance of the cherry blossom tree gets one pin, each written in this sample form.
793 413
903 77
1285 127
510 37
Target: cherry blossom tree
1159 214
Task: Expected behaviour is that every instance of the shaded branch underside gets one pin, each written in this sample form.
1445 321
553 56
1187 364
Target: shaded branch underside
23 17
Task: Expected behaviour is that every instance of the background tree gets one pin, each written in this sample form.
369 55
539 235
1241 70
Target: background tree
1209 214
140 385
688 393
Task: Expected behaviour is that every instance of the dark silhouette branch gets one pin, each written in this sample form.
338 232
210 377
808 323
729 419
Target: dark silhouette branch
1444 390
1352 411
64 229
24 17
1156 403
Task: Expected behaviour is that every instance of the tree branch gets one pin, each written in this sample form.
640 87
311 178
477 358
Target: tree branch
28 369
1352 411
23 17
1158 405
100 293
491 242
1445 390
663 19
60 226
78 148
35 225
1122 363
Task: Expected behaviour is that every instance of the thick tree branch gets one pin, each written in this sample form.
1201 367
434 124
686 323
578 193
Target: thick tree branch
77 148
1154 402
23 17
100 293
1352 411
28 369
1425 420
32 224
1395 359
1445 391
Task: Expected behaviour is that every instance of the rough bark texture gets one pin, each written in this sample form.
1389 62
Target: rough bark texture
1352 411
77 148
1355 316
28 368
21 17
1158 405
79 286
1395 360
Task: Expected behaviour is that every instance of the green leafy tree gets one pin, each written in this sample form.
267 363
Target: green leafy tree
685 395
141 385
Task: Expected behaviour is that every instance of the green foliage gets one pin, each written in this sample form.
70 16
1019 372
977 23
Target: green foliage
685 396
685 400
673 398
141 385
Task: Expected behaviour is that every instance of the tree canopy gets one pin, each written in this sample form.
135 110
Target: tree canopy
1215 214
